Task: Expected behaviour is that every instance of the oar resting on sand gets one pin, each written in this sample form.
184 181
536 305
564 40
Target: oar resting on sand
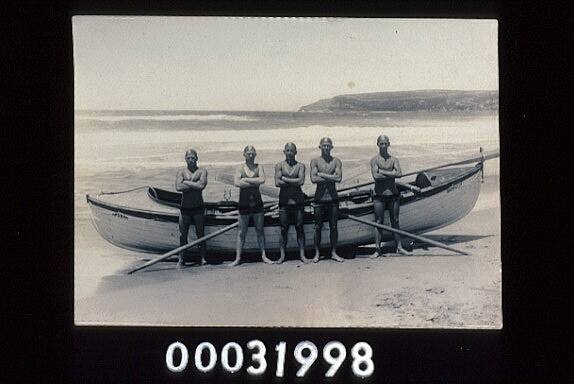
403 233
184 247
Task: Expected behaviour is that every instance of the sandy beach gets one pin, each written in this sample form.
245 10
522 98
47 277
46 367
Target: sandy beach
433 288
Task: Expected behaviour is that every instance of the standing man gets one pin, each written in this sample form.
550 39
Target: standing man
248 177
191 181
289 177
385 168
326 170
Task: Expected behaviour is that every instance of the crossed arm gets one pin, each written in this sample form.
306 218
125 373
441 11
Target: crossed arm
247 182
281 180
322 177
184 185
379 173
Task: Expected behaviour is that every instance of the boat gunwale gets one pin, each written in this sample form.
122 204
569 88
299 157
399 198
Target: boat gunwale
407 198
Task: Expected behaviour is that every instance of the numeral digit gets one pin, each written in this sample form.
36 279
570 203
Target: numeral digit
225 357
258 357
362 354
169 357
281 349
212 357
306 362
334 361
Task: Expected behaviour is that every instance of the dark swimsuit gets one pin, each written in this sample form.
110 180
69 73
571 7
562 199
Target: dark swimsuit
291 195
191 202
386 189
250 200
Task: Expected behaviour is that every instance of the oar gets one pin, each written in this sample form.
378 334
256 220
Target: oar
403 233
184 247
491 155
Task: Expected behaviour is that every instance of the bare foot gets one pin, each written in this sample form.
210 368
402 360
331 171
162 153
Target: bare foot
180 264
280 260
402 251
376 254
203 262
336 257
304 259
266 259
316 257
235 263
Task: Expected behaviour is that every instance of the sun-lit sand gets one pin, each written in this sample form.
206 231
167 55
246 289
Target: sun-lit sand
432 288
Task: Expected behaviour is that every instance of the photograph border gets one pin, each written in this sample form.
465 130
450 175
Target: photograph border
137 352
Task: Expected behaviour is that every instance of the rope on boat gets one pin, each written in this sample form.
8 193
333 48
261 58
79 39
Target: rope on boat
126 191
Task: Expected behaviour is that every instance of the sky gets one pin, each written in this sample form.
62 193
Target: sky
272 64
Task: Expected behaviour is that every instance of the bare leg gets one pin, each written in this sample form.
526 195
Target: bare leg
184 224
318 229
395 224
260 229
284 219
379 208
299 227
199 222
241 232
333 231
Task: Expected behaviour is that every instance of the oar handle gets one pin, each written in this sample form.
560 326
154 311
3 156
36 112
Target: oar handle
481 159
184 247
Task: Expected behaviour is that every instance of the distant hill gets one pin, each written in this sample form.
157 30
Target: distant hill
423 100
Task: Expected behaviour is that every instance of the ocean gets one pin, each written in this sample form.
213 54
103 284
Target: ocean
118 150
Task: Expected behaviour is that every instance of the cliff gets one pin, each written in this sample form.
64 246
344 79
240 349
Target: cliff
423 100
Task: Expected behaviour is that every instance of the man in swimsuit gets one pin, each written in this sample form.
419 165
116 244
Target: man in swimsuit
326 170
191 181
385 168
248 177
289 177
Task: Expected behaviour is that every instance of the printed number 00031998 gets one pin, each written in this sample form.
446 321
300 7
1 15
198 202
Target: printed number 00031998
361 353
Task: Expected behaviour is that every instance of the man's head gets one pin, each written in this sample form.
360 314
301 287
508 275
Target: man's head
290 151
249 152
383 142
191 157
326 144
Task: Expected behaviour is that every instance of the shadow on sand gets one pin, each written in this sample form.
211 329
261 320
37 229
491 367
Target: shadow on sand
167 270
416 245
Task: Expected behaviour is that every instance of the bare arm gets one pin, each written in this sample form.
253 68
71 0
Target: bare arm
315 178
179 185
256 180
299 179
199 184
337 176
278 176
375 170
238 181
396 172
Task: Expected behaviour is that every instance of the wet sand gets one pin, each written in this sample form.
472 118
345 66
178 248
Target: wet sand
433 288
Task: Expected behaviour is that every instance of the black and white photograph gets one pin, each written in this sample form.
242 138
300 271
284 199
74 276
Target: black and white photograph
286 172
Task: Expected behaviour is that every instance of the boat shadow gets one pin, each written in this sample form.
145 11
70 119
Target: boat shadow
167 270
413 246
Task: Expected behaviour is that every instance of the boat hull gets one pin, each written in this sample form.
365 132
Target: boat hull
156 230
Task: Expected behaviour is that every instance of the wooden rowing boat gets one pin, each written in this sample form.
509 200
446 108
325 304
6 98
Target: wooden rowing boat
146 220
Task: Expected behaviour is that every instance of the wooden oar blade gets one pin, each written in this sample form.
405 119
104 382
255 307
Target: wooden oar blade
184 247
404 233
